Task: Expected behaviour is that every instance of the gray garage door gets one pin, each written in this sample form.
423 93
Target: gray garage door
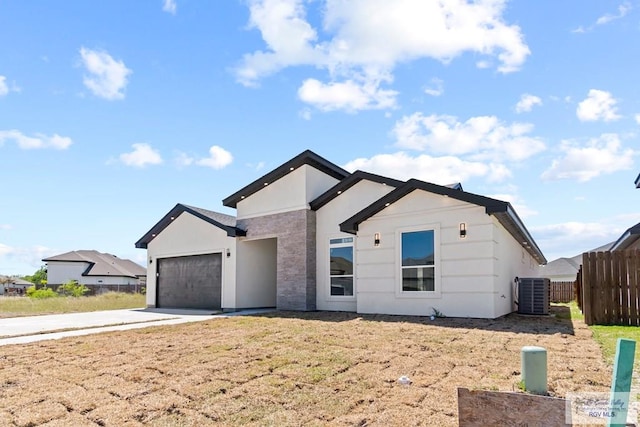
190 282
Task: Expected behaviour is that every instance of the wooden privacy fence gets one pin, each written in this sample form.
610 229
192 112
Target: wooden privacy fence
562 291
609 291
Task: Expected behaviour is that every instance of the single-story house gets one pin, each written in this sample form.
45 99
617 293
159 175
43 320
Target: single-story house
311 236
566 269
14 286
100 272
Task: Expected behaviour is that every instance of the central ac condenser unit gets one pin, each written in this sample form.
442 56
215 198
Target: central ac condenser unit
533 295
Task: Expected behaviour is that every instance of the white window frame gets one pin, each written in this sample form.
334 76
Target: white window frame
437 292
352 245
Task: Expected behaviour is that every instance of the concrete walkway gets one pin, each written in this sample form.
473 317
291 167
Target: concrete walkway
20 330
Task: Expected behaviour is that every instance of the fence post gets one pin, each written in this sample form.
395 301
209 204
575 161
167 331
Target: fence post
586 289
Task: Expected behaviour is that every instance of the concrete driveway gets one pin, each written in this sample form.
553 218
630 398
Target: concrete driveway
20 330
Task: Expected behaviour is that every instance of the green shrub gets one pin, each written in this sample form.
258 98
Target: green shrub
45 292
72 288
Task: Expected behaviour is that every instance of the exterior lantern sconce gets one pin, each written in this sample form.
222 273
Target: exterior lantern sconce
376 239
150 260
463 230
228 253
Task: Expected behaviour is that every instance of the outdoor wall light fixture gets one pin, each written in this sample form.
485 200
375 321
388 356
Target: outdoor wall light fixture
463 230
228 253
376 239
150 260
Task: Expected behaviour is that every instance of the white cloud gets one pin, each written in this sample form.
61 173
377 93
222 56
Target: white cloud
637 117
521 208
170 6
4 89
527 102
349 95
305 114
24 255
361 40
5 249
141 156
599 105
438 170
583 162
183 159
623 9
436 89
561 239
5 227
481 138
218 158
38 141
107 77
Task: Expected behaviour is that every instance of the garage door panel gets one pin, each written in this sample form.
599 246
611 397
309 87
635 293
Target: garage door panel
190 281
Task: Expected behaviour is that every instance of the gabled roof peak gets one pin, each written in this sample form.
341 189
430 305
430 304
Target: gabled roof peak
349 182
220 220
307 157
503 211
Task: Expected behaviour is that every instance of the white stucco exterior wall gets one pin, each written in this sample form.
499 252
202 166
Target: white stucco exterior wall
256 277
189 235
466 269
514 261
60 272
292 192
328 219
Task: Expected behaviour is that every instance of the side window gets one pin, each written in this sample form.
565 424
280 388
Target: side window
418 266
341 266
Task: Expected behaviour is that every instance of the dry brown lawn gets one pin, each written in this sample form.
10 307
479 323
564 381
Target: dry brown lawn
286 369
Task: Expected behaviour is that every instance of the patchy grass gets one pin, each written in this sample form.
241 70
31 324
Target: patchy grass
607 336
24 306
288 369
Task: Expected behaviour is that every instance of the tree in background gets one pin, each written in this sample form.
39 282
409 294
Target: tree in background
39 277
5 280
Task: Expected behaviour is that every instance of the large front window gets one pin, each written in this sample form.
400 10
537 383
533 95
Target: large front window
341 266
418 261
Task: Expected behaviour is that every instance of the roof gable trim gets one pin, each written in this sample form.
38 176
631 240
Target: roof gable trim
349 182
307 157
143 242
501 210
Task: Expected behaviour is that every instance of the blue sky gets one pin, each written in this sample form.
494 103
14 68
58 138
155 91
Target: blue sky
113 112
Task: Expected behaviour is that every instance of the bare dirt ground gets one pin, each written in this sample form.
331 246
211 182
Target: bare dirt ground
288 369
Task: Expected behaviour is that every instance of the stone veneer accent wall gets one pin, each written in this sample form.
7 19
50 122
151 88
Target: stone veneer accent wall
295 232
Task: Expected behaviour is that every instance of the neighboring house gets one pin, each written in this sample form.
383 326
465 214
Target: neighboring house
100 272
566 269
13 286
311 236
638 181
630 239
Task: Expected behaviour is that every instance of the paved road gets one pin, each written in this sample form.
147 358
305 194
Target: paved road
20 330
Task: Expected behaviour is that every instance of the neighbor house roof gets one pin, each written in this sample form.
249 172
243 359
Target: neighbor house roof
220 220
567 266
561 267
307 157
503 211
15 281
349 182
627 239
101 264
638 181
